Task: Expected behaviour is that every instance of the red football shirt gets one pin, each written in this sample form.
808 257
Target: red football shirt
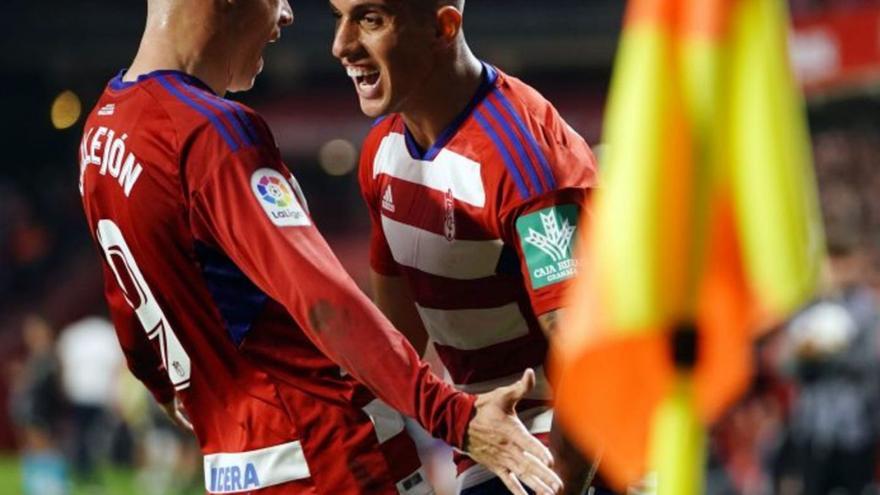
481 226
221 289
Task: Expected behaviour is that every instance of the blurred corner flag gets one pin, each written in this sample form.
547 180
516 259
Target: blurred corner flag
705 227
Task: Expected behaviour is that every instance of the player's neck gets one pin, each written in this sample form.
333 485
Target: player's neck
168 47
445 96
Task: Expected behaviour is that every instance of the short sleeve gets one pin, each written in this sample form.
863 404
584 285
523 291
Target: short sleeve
540 221
543 232
381 259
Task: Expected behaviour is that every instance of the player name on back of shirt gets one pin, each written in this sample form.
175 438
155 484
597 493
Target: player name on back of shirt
106 148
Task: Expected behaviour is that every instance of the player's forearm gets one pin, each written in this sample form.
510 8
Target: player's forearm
352 332
574 469
550 321
382 359
155 379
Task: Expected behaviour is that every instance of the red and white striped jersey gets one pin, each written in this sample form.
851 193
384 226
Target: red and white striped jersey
480 226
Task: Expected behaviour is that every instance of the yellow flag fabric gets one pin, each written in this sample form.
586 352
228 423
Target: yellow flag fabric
707 215
777 207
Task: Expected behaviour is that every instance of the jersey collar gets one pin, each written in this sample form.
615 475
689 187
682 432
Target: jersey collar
117 84
490 76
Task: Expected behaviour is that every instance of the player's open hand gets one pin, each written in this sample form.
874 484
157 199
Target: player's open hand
498 440
177 414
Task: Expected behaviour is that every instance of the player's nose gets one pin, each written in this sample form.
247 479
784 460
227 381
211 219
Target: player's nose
286 18
344 41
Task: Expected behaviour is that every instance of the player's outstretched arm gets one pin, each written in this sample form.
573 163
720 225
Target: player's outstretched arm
498 440
576 471
278 247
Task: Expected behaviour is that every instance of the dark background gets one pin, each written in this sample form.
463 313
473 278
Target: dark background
564 48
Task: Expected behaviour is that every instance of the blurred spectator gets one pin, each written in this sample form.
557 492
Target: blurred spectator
35 408
90 362
832 353
167 459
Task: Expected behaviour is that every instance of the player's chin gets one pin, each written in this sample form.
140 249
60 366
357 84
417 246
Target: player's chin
374 108
244 82
246 79
239 86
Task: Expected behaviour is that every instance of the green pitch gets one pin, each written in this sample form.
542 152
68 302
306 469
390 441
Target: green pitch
112 481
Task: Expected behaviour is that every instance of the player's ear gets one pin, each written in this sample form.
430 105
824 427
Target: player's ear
449 21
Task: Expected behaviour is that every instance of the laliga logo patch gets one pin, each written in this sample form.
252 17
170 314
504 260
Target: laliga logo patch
274 194
273 191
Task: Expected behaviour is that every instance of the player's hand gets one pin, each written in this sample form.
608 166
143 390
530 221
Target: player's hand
498 440
177 414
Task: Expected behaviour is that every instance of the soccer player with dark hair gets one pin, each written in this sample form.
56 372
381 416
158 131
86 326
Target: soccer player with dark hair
475 185
228 303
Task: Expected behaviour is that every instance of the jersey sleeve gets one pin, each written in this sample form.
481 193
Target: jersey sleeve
542 228
248 209
543 231
381 259
140 356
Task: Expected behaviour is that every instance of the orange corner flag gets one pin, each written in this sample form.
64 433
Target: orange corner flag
706 219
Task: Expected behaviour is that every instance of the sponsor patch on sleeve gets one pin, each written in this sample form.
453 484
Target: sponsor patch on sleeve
275 195
546 237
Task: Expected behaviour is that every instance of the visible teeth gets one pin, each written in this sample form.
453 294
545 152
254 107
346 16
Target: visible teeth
360 72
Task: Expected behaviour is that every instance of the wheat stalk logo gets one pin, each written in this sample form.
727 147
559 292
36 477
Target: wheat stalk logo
556 239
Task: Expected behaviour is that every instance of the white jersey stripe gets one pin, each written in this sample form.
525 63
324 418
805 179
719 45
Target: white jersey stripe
449 171
471 329
433 253
387 422
541 391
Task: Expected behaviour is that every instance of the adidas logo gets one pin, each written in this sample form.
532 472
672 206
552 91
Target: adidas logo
388 200
107 109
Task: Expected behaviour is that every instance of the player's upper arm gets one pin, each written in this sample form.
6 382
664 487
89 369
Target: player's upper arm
540 222
543 232
381 259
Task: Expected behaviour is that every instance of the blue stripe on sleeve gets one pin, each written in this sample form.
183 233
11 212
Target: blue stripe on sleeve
530 138
244 118
508 160
215 102
163 80
511 135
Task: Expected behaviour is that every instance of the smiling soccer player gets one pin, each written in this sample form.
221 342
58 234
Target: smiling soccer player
475 185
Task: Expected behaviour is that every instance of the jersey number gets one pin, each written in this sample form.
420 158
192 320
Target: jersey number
140 298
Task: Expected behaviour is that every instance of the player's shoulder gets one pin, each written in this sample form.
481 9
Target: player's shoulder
531 150
539 117
380 129
203 119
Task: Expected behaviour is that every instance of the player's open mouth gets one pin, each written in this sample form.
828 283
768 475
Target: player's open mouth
366 81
